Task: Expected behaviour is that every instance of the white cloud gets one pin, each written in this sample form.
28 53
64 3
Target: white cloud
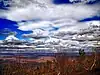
39 41
46 10
64 32
83 37
11 38
64 22
46 25
64 17
73 27
29 26
23 3
94 23
37 33
69 11
70 29
38 27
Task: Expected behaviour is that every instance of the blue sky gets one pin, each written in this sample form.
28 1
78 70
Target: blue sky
11 25
18 16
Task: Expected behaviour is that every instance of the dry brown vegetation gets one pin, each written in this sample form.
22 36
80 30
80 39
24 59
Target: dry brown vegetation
58 65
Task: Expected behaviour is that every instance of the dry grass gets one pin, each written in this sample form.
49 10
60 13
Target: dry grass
61 65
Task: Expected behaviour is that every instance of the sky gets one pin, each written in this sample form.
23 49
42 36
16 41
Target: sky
44 18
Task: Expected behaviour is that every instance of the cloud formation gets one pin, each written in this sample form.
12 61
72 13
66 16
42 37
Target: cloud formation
57 11
32 9
51 19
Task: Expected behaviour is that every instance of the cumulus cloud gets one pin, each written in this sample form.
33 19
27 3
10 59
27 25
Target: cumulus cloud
11 37
65 31
37 34
64 17
23 3
83 37
45 9
63 25
46 25
41 29
94 23
57 11
69 32
50 16
27 26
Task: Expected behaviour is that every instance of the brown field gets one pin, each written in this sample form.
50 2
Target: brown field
60 64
